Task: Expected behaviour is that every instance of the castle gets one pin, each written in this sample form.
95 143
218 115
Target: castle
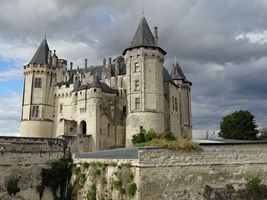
110 102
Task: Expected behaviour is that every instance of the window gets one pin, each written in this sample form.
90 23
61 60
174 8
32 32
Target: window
136 85
61 108
137 67
35 111
108 129
137 103
173 103
38 83
176 106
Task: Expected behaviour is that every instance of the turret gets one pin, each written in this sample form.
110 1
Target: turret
38 102
94 103
144 63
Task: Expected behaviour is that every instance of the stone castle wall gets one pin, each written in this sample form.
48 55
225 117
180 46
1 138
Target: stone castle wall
166 174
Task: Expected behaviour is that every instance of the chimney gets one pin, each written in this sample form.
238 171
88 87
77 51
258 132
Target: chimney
104 61
85 63
109 60
49 56
156 38
71 64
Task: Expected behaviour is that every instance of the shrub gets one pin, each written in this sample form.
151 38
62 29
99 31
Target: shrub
132 189
91 195
85 165
254 188
239 125
150 134
12 186
168 135
138 138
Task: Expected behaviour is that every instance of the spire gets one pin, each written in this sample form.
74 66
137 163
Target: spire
177 73
41 55
96 82
143 35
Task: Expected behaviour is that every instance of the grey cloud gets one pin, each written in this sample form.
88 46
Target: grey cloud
227 74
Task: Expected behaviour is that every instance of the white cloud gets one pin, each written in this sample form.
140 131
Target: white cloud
10 109
254 37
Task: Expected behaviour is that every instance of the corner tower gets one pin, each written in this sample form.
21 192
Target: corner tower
144 63
38 102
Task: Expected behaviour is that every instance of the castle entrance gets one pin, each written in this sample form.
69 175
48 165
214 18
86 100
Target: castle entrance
83 128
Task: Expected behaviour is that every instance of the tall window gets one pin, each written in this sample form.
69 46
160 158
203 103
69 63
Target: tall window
136 85
176 106
35 111
61 108
173 102
38 83
137 67
137 103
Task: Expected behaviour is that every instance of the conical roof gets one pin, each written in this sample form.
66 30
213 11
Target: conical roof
96 82
143 37
41 55
177 73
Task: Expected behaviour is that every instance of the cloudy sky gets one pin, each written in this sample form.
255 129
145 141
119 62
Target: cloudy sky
221 46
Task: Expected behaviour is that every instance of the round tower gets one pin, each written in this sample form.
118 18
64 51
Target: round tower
38 95
145 97
95 99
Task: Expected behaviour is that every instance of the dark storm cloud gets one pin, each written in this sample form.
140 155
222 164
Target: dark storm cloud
228 71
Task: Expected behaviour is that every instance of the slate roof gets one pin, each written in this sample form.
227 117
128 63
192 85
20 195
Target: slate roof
41 55
96 82
143 37
178 74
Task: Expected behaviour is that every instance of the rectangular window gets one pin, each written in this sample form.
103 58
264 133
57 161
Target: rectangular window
173 102
38 83
61 108
136 67
176 106
35 111
136 85
137 103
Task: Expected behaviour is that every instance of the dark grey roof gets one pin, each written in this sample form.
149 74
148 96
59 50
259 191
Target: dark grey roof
166 76
95 83
129 153
143 37
41 55
178 74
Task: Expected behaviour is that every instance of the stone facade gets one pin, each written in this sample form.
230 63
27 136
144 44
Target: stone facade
217 172
24 158
110 102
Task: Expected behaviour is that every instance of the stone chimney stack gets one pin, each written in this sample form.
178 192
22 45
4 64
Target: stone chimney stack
109 60
156 38
71 64
104 61
85 64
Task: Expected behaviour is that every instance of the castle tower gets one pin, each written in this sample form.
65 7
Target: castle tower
144 65
95 99
184 100
38 101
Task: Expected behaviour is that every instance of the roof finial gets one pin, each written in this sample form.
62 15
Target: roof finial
45 31
143 13
175 60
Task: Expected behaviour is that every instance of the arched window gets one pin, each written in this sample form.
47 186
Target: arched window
83 128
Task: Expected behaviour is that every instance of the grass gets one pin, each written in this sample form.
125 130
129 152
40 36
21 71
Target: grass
181 144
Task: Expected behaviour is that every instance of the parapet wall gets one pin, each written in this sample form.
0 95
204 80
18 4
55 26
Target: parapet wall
166 174
221 170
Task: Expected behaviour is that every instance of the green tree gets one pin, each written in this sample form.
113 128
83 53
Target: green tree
239 125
